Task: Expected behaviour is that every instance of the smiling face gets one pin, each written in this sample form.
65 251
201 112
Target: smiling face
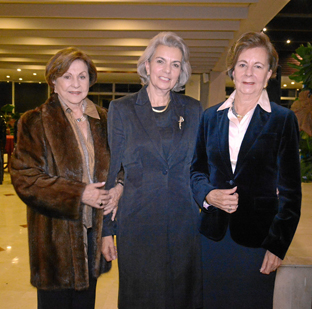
73 85
164 68
251 72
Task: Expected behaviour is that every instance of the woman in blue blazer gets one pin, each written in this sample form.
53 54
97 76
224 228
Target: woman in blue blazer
245 176
152 135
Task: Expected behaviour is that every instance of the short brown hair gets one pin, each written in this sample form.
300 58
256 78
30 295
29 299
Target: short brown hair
62 60
169 39
251 40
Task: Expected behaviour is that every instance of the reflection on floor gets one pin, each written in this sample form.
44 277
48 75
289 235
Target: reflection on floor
16 291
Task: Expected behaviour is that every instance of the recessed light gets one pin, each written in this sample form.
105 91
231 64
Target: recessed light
292 83
19 70
288 41
34 73
285 85
8 76
264 29
20 78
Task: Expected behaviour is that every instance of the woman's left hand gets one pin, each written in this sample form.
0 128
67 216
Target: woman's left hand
270 263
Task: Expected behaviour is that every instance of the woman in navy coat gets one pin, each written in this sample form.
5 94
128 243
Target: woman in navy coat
246 177
152 135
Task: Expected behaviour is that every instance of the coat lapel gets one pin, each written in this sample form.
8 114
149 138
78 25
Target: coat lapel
223 129
258 121
98 129
145 114
63 143
178 115
61 139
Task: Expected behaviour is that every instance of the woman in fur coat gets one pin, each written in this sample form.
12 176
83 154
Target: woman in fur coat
59 169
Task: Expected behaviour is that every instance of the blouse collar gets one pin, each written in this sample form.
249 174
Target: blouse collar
263 101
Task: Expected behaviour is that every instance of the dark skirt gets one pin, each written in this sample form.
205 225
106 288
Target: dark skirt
232 277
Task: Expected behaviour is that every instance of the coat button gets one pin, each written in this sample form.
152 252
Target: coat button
231 182
165 172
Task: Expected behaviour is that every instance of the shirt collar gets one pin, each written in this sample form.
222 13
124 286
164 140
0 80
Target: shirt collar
91 110
263 101
88 106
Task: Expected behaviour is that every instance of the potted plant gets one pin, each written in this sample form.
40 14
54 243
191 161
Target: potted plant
302 107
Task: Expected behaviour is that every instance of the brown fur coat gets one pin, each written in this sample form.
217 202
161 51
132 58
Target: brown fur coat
46 172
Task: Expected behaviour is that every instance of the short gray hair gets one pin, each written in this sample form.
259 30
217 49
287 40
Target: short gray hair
169 39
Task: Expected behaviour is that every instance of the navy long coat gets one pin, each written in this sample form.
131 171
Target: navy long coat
157 220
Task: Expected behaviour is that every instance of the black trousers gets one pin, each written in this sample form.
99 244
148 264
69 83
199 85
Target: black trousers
70 298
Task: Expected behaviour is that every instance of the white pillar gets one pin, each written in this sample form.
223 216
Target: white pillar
192 88
13 93
216 88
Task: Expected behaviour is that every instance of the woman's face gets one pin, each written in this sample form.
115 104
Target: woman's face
73 86
164 68
251 72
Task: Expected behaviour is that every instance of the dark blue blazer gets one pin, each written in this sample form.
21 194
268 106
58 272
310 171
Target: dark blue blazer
268 160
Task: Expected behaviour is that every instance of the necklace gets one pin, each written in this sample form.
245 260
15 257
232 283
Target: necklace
235 113
160 111
82 118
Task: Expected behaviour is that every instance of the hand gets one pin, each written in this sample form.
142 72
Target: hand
270 263
111 200
109 250
93 195
225 199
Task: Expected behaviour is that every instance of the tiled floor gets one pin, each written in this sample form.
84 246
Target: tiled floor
16 291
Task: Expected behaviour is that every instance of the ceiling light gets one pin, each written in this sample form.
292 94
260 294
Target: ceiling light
8 76
292 83
264 29
19 70
20 78
288 41
285 85
34 73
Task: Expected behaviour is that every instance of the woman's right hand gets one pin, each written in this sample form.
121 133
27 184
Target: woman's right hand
225 199
94 194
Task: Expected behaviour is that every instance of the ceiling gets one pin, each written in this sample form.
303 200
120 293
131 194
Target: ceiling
115 33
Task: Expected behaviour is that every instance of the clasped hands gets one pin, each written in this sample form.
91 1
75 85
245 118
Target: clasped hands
96 196
225 199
